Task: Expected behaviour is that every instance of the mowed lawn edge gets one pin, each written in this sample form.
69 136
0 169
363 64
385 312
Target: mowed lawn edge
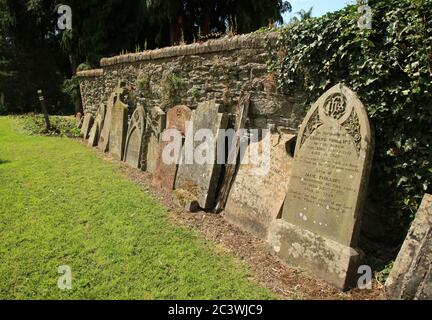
61 204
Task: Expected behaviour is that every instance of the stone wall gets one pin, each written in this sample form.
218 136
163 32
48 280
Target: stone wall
220 69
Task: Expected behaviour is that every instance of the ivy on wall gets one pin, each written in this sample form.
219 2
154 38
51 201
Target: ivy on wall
390 68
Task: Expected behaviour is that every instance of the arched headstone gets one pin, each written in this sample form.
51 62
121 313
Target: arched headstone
103 143
134 138
322 212
118 125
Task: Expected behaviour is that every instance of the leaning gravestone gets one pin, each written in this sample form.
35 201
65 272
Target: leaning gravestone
134 138
156 121
87 123
165 173
322 212
411 276
103 143
97 126
201 180
257 195
118 125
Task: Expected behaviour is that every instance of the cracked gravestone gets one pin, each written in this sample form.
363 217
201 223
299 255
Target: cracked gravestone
165 173
321 217
134 138
103 143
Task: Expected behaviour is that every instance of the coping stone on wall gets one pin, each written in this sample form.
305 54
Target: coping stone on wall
90 73
248 41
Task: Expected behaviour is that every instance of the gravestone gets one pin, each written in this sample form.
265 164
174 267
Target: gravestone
201 180
165 174
134 138
256 198
155 124
97 126
322 212
411 276
241 118
103 143
118 125
87 124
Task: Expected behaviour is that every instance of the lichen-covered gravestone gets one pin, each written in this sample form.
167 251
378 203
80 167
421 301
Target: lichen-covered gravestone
165 173
118 125
97 126
134 138
256 197
201 180
156 121
411 276
322 212
87 123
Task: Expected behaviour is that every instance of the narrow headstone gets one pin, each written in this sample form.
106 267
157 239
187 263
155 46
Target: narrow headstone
87 124
134 138
156 121
201 180
165 174
411 276
118 126
257 196
322 212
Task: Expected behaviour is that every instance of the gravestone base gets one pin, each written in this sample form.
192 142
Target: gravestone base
323 258
244 217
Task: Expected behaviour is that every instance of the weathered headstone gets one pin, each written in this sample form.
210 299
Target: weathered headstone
134 138
201 180
118 125
87 124
411 276
97 126
241 118
103 143
156 121
256 198
165 174
322 211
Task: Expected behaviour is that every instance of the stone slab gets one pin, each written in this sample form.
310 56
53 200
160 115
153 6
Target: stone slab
134 140
118 128
411 276
103 143
156 122
201 180
331 168
97 126
326 194
165 174
320 256
87 124
256 200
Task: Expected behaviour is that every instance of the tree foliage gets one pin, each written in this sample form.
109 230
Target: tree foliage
390 67
44 57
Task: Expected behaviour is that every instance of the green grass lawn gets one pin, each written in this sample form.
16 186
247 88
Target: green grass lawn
62 204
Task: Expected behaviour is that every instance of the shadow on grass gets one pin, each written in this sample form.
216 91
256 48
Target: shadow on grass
4 161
